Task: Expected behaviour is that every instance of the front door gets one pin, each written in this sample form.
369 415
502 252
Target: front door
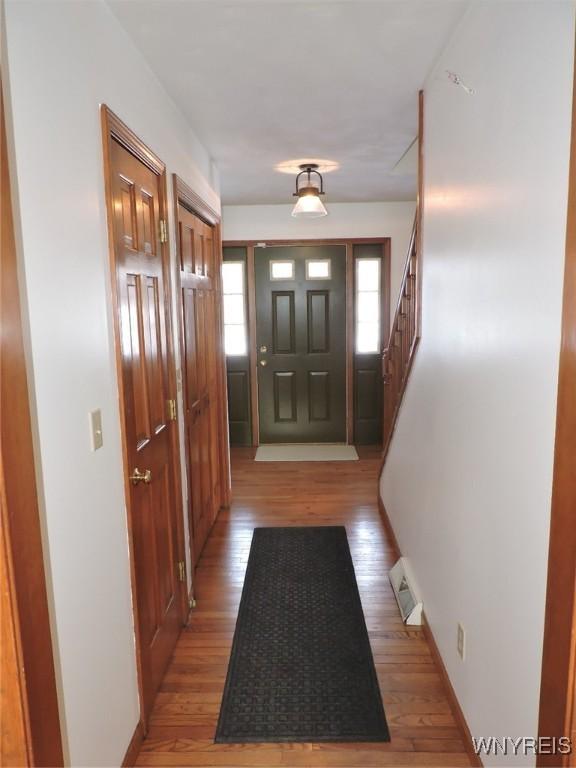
142 304
301 343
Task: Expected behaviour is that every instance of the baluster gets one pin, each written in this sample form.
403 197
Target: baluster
405 329
398 343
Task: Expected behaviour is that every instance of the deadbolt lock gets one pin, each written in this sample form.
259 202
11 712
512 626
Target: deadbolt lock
141 477
263 348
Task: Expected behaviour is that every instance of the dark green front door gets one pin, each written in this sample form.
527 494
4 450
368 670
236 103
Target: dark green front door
301 343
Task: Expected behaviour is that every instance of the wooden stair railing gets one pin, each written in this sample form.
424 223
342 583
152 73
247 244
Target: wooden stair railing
404 337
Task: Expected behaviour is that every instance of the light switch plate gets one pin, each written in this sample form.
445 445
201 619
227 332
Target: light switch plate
96 430
461 642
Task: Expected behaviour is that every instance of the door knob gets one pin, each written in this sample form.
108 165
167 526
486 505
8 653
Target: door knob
263 363
141 477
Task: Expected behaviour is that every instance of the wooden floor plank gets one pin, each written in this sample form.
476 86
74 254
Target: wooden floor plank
182 725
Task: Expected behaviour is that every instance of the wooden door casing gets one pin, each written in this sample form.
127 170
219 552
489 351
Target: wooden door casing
30 732
136 196
203 371
558 681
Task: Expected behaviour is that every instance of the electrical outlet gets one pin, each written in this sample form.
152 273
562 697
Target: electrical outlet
461 642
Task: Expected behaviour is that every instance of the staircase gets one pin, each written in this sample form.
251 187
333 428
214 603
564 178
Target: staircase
404 337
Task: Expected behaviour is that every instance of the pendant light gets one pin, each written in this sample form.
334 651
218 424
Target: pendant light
309 205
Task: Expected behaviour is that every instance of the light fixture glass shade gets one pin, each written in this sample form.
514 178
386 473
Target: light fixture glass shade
309 206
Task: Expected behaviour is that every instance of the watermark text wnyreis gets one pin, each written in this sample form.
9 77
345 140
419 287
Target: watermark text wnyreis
524 745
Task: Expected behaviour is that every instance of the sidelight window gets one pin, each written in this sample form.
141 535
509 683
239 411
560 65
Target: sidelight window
368 303
234 308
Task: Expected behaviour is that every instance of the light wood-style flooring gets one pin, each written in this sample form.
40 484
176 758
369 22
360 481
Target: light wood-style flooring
423 728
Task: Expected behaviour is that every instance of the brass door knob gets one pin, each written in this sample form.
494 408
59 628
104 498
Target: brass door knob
263 363
141 477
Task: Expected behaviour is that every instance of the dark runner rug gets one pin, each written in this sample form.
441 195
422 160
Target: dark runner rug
301 667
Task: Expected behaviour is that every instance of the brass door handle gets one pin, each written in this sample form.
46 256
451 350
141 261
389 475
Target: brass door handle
141 477
263 363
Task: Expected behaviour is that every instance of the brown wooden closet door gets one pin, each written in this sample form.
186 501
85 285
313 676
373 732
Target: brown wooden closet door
212 390
198 264
192 410
204 436
142 296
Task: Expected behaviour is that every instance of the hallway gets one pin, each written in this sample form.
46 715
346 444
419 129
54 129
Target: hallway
423 729
233 222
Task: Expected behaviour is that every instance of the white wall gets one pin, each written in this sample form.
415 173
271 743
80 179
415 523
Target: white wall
347 220
65 58
467 484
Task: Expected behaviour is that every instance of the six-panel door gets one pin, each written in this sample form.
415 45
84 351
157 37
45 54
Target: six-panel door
301 343
144 351
200 308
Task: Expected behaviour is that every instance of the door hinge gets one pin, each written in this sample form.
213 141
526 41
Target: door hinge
171 404
181 571
163 231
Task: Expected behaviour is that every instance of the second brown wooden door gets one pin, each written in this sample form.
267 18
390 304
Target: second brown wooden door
200 364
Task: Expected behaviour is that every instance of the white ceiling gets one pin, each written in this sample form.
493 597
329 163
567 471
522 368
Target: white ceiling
267 81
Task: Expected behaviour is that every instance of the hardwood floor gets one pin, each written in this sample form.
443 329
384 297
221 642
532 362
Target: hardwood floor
423 728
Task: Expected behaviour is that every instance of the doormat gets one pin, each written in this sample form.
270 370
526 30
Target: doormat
301 666
307 452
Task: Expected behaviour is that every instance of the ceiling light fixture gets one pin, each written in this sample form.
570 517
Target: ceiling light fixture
309 205
293 167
